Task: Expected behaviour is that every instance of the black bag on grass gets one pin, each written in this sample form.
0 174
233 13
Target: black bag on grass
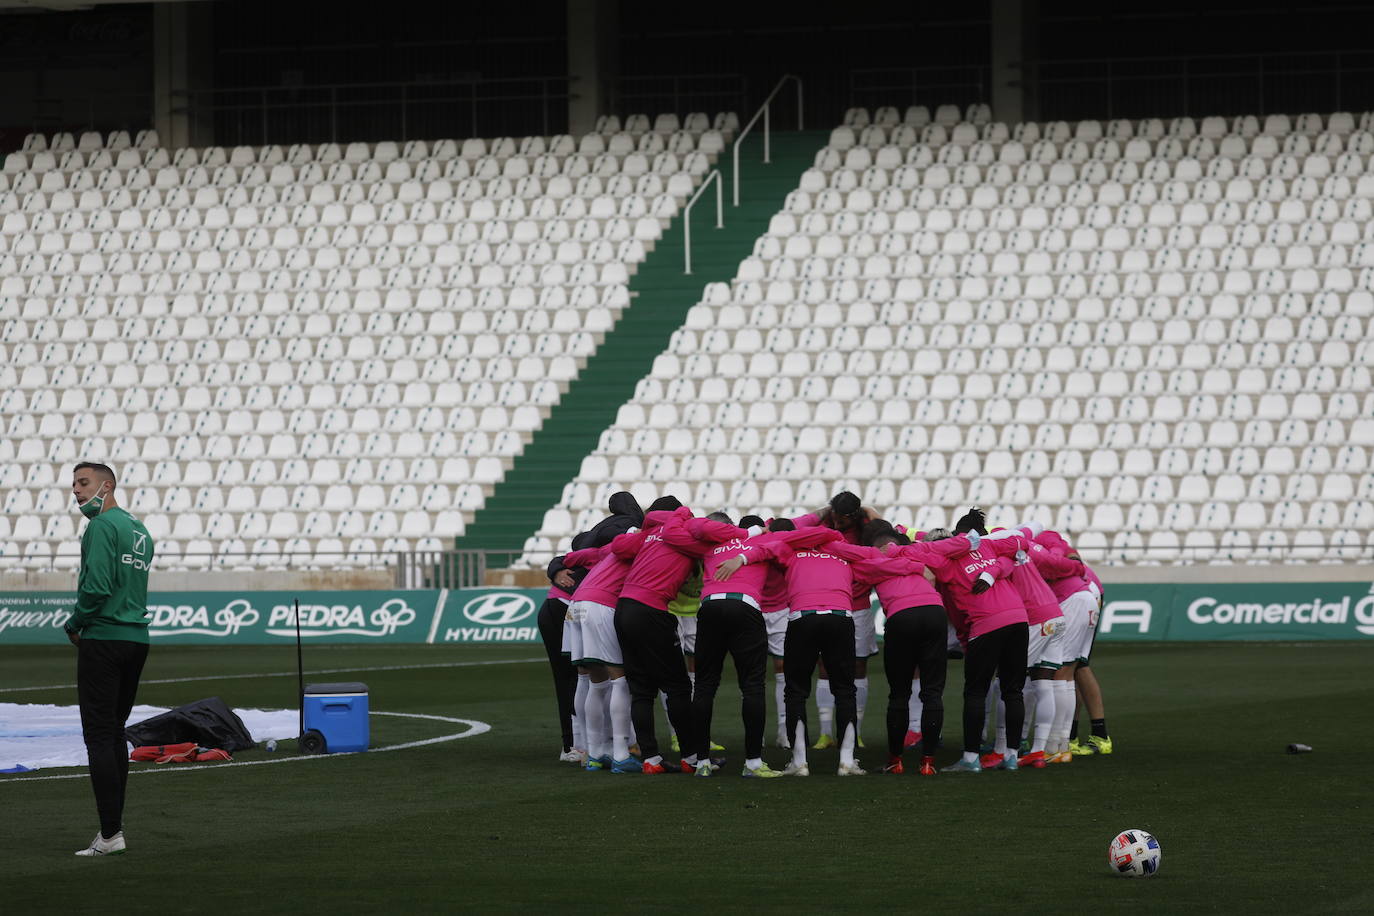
209 723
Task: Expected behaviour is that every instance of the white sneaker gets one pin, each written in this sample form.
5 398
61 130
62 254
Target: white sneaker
103 847
851 769
782 741
573 755
796 769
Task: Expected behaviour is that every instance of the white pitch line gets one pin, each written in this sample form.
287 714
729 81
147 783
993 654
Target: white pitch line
229 677
474 728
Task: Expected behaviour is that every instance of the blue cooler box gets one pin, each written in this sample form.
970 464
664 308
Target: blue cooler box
339 713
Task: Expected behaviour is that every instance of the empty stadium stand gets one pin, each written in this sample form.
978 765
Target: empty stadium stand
308 354
1153 335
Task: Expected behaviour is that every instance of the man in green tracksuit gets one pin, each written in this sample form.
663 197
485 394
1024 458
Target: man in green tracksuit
109 627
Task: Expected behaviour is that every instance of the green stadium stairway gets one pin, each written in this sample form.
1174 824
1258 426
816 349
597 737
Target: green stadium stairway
661 295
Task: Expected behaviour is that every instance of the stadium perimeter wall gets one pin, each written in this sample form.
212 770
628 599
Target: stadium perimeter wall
1169 603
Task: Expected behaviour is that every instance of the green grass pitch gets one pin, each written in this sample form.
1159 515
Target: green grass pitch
493 822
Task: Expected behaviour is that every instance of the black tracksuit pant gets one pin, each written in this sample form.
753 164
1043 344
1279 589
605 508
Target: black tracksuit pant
831 637
107 673
915 638
564 674
654 662
1003 653
730 625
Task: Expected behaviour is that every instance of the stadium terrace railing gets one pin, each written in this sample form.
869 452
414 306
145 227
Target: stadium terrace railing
261 115
767 127
681 92
874 87
468 568
1164 86
687 217
1198 85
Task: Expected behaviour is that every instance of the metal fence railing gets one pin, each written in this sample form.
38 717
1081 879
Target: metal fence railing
1138 87
334 112
427 569
681 93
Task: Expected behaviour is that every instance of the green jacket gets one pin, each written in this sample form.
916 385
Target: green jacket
112 586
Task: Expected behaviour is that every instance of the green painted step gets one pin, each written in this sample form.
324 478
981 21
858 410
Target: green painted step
661 295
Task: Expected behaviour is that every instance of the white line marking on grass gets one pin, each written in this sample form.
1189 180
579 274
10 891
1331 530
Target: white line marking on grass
474 728
229 677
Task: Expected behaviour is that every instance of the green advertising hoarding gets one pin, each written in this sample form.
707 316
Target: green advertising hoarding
1174 612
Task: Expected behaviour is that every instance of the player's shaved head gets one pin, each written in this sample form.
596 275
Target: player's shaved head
721 517
99 471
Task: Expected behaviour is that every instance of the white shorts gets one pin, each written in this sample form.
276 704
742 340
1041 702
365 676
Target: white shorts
600 644
687 634
572 638
865 634
776 622
1046 649
1080 621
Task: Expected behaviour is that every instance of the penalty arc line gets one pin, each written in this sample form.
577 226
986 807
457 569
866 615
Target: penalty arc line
229 677
474 728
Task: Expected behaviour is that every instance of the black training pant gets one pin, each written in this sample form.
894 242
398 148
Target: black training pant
831 637
107 672
915 638
730 625
654 662
551 617
1003 653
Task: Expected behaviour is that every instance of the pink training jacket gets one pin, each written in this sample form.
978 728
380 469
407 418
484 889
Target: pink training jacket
658 571
859 599
898 580
716 542
817 579
1036 595
1064 580
603 583
973 615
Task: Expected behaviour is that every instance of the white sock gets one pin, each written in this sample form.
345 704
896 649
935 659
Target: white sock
579 719
799 744
999 746
970 756
779 682
847 746
663 701
914 707
1045 708
754 763
620 718
1063 715
598 729
657 758
861 687
825 705
691 676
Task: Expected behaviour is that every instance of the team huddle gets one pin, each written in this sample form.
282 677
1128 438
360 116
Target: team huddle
649 603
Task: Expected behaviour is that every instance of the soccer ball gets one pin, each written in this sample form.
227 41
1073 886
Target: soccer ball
1134 854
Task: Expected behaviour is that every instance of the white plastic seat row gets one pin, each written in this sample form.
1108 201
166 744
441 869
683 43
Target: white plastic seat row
1247 125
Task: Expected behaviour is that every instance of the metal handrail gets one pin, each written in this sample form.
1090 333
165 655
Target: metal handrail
687 217
767 130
